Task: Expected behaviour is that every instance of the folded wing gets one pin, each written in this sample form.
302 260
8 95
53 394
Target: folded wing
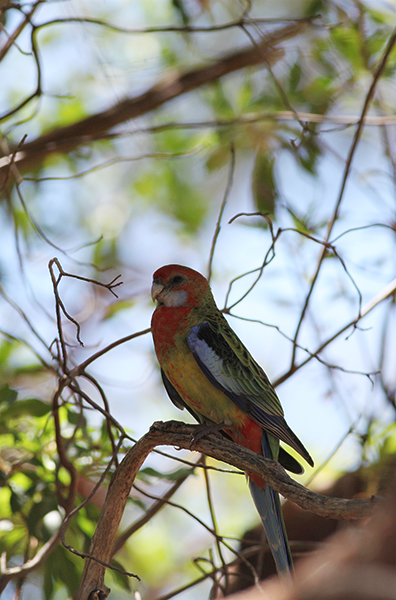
229 367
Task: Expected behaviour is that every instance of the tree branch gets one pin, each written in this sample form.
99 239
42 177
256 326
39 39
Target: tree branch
65 139
7 574
352 564
175 433
386 292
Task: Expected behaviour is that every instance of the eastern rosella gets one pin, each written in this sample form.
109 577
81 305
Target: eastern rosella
207 370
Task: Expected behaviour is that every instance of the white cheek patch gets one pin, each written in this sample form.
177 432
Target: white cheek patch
175 298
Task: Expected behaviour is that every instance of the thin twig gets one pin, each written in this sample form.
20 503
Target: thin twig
68 137
215 528
82 366
178 29
222 207
387 291
348 164
151 512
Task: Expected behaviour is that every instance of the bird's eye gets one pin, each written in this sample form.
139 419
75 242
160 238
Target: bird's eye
177 279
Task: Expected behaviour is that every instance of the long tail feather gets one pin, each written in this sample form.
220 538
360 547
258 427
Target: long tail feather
268 505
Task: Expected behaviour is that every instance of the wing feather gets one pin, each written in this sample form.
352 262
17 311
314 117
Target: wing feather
229 366
285 459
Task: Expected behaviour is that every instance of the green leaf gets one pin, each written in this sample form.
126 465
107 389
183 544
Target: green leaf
220 100
5 502
48 583
181 12
301 223
62 568
378 17
30 406
244 96
218 158
73 417
6 349
38 512
106 254
139 503
308 153
122 580
315 7
7 394
117 306
179 474
148 472
348 42
320 92
295 77
18 500
172 189
264 188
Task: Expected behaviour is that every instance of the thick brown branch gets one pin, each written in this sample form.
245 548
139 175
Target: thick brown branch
110 517
216 446
67 138
174 433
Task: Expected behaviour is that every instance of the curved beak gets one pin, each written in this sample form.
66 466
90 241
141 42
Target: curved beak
156 289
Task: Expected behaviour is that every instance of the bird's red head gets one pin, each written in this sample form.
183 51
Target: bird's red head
176 285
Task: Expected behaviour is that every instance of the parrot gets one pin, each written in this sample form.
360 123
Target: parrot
207 370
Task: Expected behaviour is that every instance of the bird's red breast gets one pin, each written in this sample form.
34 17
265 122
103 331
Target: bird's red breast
167 325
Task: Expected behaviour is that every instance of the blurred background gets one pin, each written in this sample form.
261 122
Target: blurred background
226 136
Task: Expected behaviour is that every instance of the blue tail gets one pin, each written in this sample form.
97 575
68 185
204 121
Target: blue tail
268 505
269 508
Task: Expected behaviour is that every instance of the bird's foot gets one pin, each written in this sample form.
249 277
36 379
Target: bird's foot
203 430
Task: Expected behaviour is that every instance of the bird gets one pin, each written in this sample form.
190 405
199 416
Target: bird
206 369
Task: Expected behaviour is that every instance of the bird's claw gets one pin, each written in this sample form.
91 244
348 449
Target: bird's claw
203 430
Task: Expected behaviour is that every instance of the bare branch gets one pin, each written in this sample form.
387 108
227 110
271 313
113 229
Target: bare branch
388 291
153 510
79 370
60 307
18 30
222 207
66 138
7 574
178 434
243 21
216 446
348 165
